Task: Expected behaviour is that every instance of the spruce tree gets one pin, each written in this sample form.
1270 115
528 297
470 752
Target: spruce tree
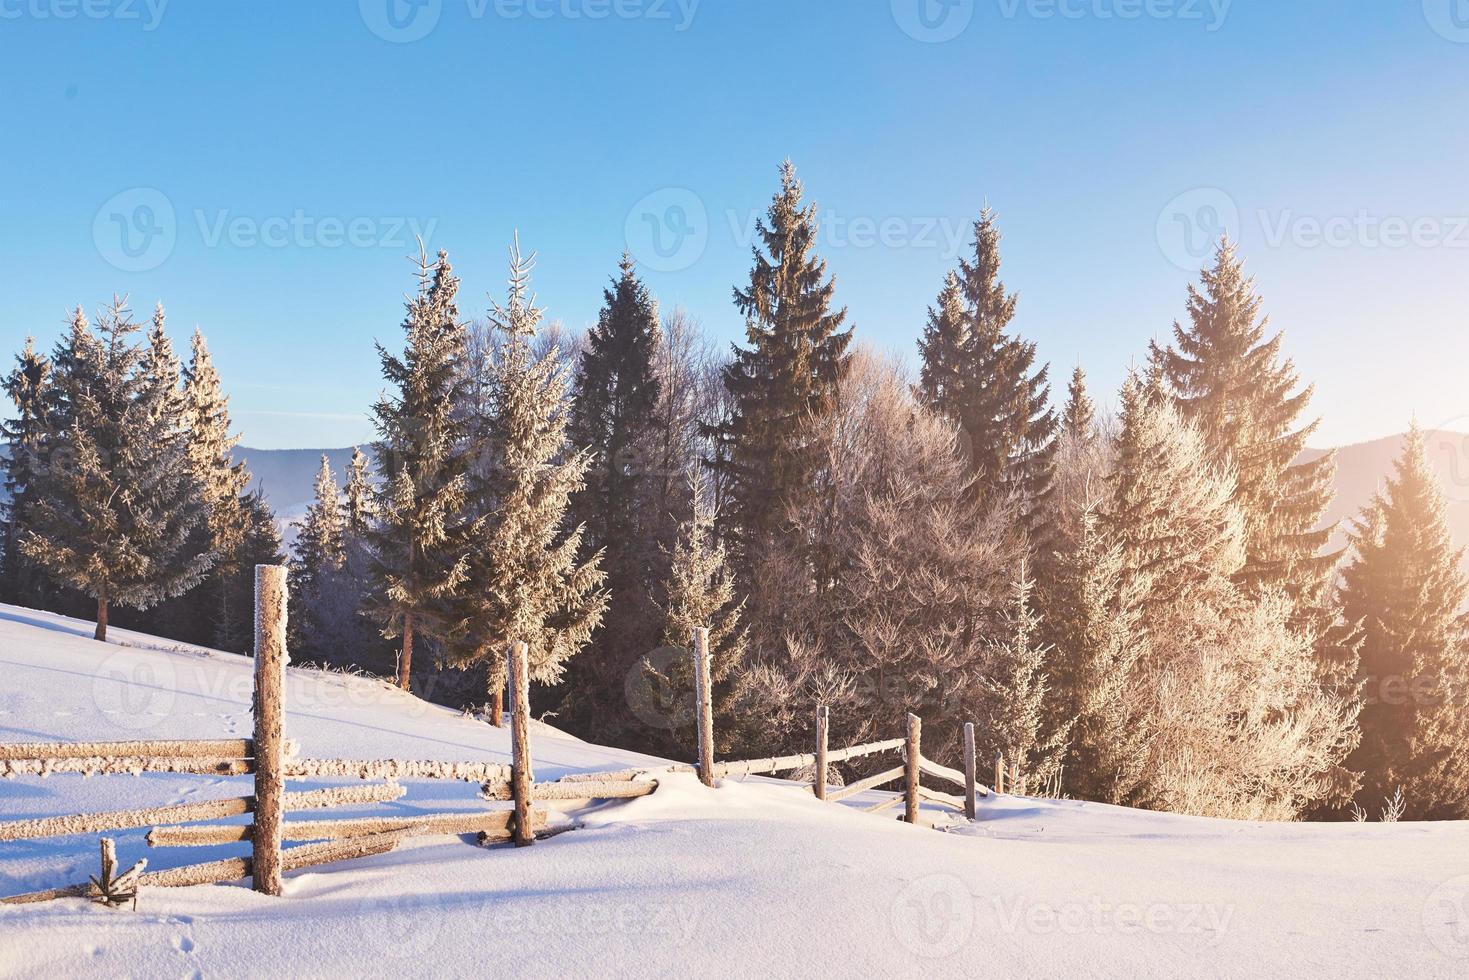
992 388
1407 588
527 581
613 418
25 386
217 616
357 507
319 561
1079 417
944 348
700 593
784 379
117 505
418 536
1228 379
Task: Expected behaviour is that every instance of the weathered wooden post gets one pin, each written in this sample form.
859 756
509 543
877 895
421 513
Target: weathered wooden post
704 706
269 745
818 781
522 778
999 771
970 804
911 771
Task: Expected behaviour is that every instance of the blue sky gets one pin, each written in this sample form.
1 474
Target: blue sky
261 166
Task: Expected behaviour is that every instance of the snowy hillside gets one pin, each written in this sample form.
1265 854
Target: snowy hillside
755 877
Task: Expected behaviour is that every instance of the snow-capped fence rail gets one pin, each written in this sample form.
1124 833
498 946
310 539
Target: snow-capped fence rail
914 766
271 760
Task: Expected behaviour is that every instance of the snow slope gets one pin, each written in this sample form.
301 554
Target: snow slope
754 877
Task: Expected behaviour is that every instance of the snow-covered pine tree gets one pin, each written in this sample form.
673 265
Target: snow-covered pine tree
319 561
944 348
1407 588
783 380
357 505
1010 712
117 505
527 581
612 417
1228 379
418 537
262 545
221 620
25 386
700 592
996 394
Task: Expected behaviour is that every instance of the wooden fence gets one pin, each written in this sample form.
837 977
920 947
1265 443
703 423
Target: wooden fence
271 760
910 747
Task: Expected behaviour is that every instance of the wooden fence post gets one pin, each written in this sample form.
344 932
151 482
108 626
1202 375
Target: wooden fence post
521 775
999 771
970 807
269 744
910 771
823 723
704 706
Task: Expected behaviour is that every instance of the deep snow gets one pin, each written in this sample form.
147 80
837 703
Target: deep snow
753 877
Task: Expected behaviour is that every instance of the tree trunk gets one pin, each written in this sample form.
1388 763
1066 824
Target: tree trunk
101 633
497 708
405 662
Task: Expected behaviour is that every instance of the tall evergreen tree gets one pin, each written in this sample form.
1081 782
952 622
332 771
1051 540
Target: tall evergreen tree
1079 417
418 537
612 417
117 505
1228 379
527 581
25 386
785 378
319 561
999 398
212 614
1407 588
357 507
944 348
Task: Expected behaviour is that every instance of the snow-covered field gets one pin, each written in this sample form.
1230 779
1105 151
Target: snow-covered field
753 878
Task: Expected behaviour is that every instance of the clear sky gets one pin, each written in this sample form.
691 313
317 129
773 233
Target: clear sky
261 166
